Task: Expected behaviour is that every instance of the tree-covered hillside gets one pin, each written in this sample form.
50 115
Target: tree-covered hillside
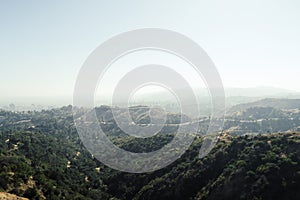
42 157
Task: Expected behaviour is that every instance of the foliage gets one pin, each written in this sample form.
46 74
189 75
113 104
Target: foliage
41 156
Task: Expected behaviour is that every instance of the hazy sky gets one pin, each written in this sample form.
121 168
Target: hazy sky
44 43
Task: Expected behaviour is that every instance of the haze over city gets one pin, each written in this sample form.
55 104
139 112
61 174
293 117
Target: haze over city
44 44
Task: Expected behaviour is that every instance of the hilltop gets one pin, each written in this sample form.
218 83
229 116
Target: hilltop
268 102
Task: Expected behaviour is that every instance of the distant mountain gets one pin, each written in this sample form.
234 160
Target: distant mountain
268 102
261 92
254 92
233 96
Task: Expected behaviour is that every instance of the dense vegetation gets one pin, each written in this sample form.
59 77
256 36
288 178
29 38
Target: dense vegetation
41 156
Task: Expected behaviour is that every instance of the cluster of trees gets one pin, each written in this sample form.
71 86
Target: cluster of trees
41 156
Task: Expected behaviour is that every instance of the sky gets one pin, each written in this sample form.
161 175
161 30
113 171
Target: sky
43 44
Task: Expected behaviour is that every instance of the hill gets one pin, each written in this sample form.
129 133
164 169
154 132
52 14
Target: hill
42 157
269 102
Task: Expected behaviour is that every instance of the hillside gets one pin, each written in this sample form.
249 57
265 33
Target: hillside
7 196
42 157
264 116
269 102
